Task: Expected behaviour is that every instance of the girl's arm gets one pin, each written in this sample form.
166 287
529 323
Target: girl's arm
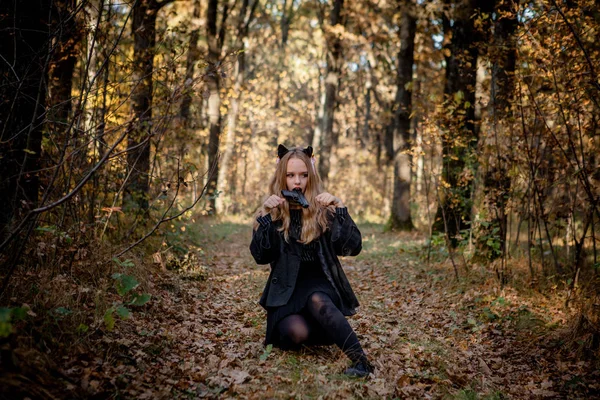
265 241
265 238
345 236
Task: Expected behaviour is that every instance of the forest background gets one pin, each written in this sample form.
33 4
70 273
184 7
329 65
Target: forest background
472 122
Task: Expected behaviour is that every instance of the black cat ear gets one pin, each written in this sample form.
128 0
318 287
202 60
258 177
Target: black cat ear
281 151
308 151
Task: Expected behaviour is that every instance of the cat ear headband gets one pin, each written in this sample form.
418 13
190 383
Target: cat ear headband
282 151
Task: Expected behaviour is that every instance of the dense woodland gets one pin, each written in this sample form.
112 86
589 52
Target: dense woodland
472 123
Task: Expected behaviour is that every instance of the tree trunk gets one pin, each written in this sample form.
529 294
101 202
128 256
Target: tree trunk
400 214
138 141
101 123
315 138
215 39
496 181
214 100
363 136
143 28
284 24
240 71
329 138
98 124
192 57
371 94
62 65
24 41
458 139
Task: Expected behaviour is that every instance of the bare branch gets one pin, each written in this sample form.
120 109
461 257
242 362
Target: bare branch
163 219
77 188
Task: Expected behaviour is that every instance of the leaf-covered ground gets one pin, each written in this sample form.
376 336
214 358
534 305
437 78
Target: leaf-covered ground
428 335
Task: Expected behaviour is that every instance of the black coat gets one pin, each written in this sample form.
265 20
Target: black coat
268 246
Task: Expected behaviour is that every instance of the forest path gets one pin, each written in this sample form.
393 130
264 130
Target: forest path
427 335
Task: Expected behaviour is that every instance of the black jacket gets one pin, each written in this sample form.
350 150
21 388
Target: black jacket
269 247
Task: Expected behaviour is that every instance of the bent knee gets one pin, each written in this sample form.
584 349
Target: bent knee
319 298
298 335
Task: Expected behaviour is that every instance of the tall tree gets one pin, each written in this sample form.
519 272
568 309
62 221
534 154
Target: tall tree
245 17
287 16
98 74
65 25
333 41
24 45
458 136
215 39
496 181
192 56
400 214
139 139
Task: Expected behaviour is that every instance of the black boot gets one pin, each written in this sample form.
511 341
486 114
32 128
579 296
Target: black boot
360 369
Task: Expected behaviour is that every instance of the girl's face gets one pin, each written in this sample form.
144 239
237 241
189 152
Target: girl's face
297 174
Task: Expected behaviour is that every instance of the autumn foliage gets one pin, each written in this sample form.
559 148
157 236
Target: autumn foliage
133 133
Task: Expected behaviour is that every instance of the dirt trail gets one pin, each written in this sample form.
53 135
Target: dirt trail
428 336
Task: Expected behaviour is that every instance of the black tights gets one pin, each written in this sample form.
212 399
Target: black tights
295 329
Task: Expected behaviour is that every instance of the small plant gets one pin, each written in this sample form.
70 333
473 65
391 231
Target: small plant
125 264
488 315
491 240
125 286
437 244
52 229
466 394
266 353
7 316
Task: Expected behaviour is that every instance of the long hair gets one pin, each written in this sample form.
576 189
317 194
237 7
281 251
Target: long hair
315 217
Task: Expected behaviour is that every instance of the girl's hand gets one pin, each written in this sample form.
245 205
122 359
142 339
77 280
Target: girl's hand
272 202
326 199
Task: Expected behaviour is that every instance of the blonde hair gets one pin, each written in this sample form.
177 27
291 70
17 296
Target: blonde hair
315 218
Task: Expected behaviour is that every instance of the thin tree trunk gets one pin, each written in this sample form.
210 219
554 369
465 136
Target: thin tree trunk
224 183
370 82
192 56
315 139
62 64
94 10
459 138
100 128
214 100
496 181
67 37
138 140
329 138
215 39
400 214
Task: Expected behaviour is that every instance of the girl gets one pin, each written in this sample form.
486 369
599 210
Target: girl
307 294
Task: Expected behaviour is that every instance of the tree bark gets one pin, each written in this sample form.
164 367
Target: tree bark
458 139
400 218
370 82
62 64
192 56
138 141
24 45
94 119
240 71
329 138
215 39
214 100
496 181
315 138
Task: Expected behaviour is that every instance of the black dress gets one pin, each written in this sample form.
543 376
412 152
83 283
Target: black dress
311 279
